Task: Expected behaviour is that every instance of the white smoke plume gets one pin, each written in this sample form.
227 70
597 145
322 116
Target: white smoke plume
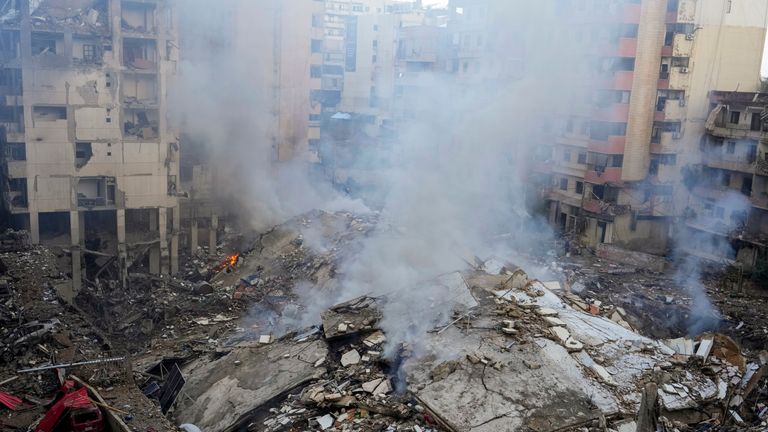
457 184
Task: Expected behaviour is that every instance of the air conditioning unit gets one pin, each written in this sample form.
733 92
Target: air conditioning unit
684 70
689 36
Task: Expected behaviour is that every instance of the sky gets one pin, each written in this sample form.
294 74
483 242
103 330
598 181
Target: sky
765 52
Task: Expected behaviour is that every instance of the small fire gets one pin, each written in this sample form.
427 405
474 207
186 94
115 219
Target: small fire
229 262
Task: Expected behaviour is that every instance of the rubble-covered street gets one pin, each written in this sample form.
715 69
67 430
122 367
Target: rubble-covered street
580 350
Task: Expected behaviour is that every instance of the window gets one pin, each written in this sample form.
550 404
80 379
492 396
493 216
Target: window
314 144
90 53
735 116
579 187
755 123
616 161
375 27
315 71
314 117
582 158
731 148
49 113
16 151
728 5
569 126
564 184
566 155
317 45
726 179
375 44
317 20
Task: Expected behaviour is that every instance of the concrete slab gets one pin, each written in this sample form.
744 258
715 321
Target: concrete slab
224 394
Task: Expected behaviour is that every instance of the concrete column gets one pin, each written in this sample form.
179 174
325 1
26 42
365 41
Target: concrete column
154 251
212 235
175 239
193 242
34 227
122 250
81 224
650 39
75 239
162 214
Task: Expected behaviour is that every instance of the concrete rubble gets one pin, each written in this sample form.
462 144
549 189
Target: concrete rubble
515 354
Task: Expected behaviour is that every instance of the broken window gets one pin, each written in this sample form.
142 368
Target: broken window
83 153
95 191
735 117
725 179
564 184
746 186
315 71
680 61
755 123
600 131
18 192
579 187
138 17
668 159
731 147
45 43
567 155
141 123
582 158
16 151
140 53
49 113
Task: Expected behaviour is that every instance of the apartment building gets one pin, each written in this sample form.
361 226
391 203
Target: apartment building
91 163
617 167
726 215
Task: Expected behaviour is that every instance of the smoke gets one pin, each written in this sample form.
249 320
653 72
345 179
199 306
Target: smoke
224 97
456 179
706 239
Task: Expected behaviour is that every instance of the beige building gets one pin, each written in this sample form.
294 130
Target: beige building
616 167
92 164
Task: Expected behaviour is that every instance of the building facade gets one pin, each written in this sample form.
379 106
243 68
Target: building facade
617 165
91 162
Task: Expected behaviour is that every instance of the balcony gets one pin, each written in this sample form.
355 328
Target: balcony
672 110
604 208
733 131
618 113
609 175
571 199
96 192
664 143
760 200
620 80
626 47
658 206
717 160
614 145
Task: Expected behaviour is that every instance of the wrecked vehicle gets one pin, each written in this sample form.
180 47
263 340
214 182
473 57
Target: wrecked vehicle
21 338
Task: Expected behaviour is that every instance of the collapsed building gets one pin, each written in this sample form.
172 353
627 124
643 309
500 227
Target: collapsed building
91 162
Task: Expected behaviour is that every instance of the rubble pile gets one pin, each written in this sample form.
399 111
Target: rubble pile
83 15
222 348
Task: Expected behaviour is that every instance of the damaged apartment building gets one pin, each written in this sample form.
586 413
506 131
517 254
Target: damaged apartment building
729 186
616 171
91 163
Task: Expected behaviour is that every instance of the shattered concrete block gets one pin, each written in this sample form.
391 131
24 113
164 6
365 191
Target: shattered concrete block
374 339
705 347
560 333
265 339
350 358
325 421
370 386
383 388
553 321
545 312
